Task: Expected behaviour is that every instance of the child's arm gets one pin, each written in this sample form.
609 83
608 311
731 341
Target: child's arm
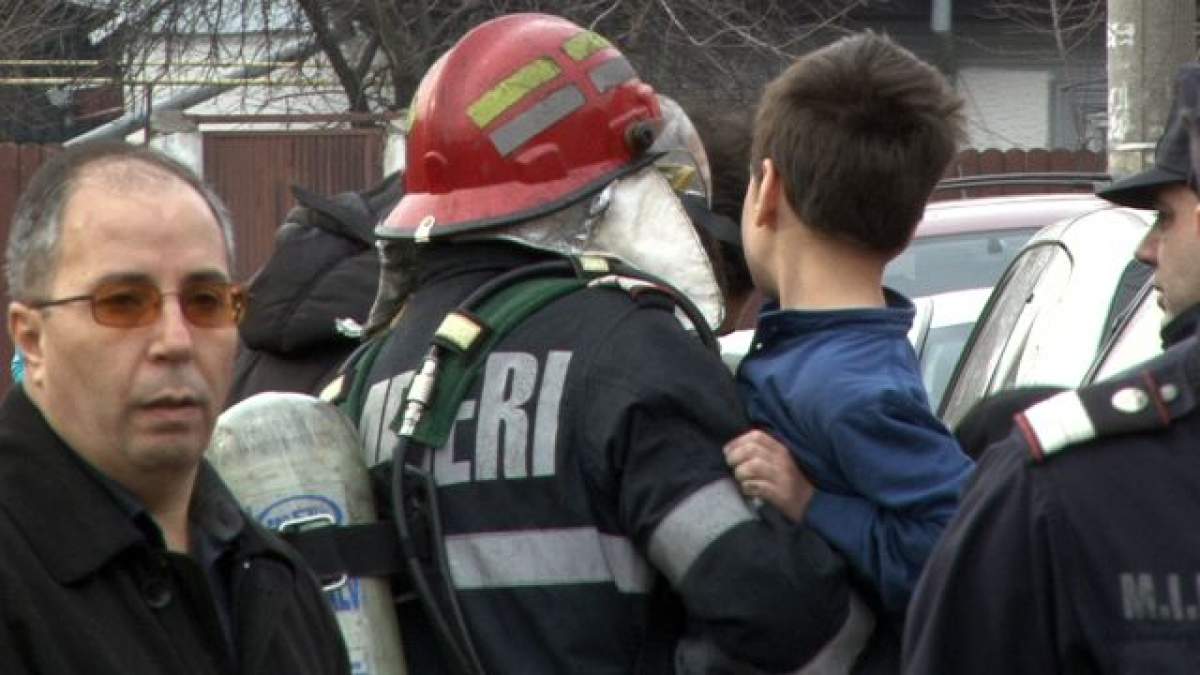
765 468
905 472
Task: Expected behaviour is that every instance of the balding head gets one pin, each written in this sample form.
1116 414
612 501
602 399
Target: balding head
36 231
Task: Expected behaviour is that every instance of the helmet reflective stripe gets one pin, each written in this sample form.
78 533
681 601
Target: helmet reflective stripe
583 45
540 117
611 74
510 92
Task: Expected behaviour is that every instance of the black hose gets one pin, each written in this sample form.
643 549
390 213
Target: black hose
438 542
461 661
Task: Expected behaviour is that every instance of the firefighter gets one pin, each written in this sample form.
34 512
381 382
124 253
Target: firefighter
582 512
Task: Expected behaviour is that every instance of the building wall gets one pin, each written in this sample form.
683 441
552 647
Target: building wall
1007 108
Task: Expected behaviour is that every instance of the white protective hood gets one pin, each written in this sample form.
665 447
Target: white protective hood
639 219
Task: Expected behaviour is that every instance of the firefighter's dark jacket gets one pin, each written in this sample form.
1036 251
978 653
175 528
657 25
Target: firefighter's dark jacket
83 590
1087 561
585 499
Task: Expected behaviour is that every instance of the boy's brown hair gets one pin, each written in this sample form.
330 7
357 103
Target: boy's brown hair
860 132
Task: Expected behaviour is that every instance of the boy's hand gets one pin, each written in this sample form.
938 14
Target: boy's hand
764 468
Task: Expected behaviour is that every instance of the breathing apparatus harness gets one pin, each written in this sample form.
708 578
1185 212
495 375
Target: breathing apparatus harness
457 351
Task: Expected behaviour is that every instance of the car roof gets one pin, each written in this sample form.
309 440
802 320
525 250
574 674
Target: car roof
1011 212
1078 234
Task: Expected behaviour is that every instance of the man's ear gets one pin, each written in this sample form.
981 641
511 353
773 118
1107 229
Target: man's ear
25 328
766 197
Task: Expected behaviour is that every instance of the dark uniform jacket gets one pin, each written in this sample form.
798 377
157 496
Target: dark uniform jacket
1180 327
85 588
324 267
585 499
1084 559
289 340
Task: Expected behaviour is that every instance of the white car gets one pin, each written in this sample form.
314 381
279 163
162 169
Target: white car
1052 315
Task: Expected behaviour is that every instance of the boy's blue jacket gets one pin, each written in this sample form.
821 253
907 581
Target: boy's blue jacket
843 389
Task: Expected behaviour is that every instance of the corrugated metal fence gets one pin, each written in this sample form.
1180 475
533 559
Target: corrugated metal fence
18 162
253 173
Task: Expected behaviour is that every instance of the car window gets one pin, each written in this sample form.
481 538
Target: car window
953 262
942 348
1003 328
1137 339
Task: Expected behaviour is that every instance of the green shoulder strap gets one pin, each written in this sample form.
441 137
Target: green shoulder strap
358 368
497 316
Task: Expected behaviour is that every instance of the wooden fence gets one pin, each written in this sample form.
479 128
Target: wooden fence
993 162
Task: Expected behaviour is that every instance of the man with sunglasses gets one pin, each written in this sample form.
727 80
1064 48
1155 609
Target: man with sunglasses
123 552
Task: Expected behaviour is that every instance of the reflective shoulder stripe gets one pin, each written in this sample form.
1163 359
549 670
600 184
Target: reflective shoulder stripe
580 555
1055 423
695 523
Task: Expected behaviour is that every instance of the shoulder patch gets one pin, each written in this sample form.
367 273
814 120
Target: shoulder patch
1055 423
1145 400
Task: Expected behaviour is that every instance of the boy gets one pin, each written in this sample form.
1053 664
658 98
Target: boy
848 144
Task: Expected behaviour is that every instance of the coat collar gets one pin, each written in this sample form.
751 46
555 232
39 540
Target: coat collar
895 318
73 522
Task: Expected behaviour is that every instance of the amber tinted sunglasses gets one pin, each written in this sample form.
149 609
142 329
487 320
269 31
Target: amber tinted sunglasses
127 304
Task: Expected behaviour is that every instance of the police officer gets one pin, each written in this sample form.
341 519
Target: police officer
588 520
1075 547
1168 245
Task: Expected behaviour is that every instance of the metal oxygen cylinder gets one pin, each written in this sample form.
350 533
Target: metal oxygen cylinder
295 460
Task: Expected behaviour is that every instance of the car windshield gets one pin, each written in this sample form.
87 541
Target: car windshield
954 262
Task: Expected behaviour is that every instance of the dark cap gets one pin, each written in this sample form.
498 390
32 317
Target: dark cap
1188 82
720 227
1171 165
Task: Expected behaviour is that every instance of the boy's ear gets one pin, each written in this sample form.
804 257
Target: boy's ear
766 202
25 328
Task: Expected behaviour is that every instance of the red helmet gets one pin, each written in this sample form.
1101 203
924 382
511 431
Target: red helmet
526 114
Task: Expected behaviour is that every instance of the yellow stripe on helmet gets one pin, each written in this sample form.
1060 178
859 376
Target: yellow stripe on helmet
584 45
511 90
